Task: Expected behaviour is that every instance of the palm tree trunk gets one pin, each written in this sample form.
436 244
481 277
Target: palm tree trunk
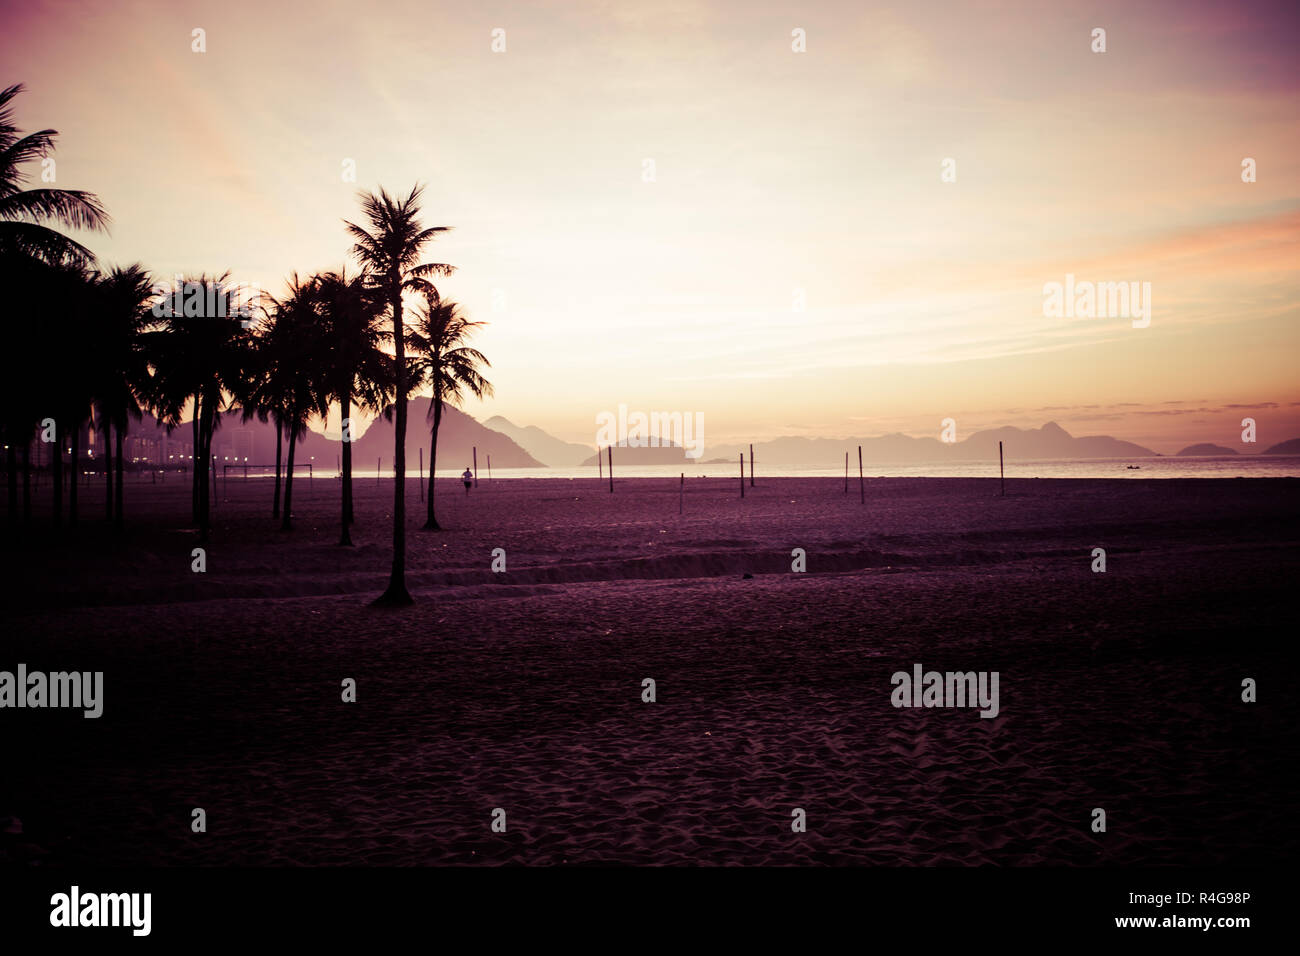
288 478
117 434
279 456
199 462
108 468
11 470
205 480
431 523
56 475
397 595
27 480
195 454
345 489
76 468
348 515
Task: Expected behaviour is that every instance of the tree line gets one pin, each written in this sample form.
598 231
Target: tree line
118 346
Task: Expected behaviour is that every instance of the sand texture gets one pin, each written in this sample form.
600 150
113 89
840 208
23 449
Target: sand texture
523 690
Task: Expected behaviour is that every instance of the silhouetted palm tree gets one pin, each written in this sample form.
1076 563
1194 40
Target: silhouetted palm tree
72 288
26 214
198 361
28 237
121 316
294 345
44 387
389 250
26 385
262 394
444 363
357 371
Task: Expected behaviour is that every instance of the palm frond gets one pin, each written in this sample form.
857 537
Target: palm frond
33 240
432 269
15 151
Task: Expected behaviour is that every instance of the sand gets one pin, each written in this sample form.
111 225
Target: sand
523 690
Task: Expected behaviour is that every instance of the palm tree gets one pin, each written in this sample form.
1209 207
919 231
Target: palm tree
295 379
121 307
27 236
357 371
389 250
69 391
258 397
26 394
198 362
25 214
444 363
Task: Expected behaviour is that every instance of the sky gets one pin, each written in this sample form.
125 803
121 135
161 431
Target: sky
666 206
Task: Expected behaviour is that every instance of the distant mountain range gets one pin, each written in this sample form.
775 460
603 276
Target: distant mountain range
515 446
1049 442
555 452
458 435
1291 447
1208 450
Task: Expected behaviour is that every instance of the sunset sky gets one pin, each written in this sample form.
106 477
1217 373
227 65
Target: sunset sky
775 171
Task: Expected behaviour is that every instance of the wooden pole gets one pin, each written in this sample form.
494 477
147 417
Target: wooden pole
742 474
489 467
379 469
600 464
751 464
476 466
846 472
422 473
862 485
611 469
681 490
1001 471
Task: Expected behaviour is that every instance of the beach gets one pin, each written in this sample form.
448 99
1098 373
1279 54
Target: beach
523 690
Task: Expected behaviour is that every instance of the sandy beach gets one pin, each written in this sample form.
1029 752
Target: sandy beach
522 690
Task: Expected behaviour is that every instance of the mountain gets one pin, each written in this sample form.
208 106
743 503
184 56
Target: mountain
1204 449
1291 447
460 433
663 455
793 450
457 436
1019 444
1050 441
235 440
546 448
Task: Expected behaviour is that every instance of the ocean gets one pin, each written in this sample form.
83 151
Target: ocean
1225 466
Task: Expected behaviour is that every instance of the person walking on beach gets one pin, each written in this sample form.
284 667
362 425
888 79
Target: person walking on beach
468 478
